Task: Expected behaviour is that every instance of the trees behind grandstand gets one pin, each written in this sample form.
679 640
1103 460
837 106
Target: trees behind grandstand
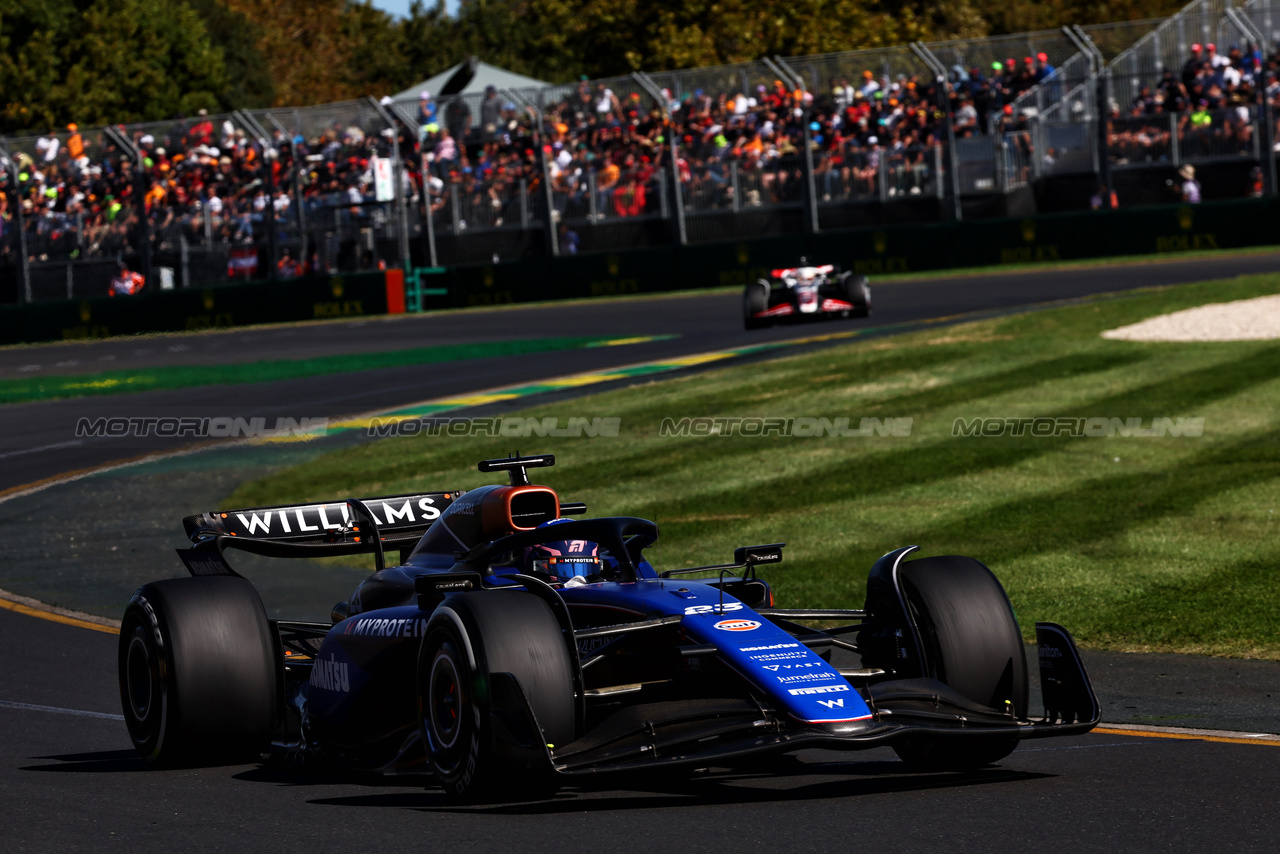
105 61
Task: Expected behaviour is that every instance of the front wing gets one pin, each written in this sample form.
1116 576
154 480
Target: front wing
730 730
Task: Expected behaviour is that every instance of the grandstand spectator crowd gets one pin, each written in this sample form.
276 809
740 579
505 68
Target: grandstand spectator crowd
210 181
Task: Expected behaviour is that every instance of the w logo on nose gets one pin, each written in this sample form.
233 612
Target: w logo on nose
832 704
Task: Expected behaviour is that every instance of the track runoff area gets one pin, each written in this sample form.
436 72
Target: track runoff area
64 709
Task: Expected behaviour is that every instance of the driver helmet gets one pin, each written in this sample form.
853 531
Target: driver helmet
561 560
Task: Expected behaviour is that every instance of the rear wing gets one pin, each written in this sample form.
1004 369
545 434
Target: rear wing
317 530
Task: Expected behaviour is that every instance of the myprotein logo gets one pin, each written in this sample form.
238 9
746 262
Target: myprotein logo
387 628
738 625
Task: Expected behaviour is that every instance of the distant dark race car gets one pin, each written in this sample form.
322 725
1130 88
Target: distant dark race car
513 650
806 292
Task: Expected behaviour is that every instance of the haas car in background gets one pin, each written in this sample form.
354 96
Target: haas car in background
512 650
805 293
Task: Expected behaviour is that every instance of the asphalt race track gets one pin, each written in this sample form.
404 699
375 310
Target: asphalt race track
37 440
69 780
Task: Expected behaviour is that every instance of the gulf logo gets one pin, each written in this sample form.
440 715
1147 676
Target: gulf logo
738 625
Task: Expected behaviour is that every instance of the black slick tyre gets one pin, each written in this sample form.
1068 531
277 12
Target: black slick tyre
972 643
755 299
483 653
199 682
857 292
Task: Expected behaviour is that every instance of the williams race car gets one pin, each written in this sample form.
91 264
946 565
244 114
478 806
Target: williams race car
513 650
805 293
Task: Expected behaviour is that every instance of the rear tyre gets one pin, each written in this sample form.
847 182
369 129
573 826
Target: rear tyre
972 644
197 670
755 299
478 746
857 292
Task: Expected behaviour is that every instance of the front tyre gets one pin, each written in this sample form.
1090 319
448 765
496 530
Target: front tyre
197 671
755 299
857 292
972 643
484 657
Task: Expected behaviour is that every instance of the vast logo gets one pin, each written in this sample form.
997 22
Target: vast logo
737 625
713 609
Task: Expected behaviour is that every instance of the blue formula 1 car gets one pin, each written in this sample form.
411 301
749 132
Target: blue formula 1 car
513 650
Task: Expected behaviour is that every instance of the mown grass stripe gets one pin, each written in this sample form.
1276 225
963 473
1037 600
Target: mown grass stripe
1145 544
187 376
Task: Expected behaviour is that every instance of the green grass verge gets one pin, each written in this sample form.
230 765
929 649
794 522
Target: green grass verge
188 376
1151 544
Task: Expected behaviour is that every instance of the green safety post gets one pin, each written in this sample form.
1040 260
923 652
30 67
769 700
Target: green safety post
414 291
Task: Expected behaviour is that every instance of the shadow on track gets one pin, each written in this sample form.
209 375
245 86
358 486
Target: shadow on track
779 784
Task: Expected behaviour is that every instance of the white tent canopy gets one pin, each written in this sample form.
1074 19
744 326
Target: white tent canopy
485 75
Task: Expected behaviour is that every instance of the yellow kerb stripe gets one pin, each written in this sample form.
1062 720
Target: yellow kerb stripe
56 618
1273 741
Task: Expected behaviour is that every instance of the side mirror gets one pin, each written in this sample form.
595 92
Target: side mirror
753 555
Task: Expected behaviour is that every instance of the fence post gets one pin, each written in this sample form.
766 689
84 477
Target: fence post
140 195
1175 150
457 213
733 184
1263 130
428 216
267 161
952 187
1103 99
591 195
397 171
811 222
24 264
184 261
882 168
669 129
524 204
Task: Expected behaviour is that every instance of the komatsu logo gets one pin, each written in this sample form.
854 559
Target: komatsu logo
331 675
768 646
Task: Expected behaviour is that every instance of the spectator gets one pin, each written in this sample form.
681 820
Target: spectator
490 112
1190 186
125 282
426 109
